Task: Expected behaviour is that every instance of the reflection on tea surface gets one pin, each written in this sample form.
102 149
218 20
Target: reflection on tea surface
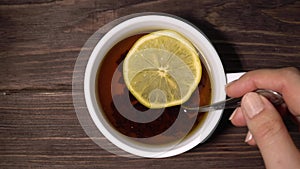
118 104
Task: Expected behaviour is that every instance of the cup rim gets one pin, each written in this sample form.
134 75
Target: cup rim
152 21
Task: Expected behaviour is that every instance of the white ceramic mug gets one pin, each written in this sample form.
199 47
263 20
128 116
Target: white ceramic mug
149 23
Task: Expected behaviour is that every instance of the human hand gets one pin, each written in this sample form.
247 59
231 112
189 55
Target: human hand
266 128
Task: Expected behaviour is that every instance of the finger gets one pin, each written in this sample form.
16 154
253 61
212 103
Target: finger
269 132
275 79
237 118
285 81
249 139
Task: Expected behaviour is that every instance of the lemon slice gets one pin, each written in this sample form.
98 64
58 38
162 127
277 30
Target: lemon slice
162 69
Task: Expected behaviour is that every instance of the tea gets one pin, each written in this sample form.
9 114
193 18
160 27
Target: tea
171 124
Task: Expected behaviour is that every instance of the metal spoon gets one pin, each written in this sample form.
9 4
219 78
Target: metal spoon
274 97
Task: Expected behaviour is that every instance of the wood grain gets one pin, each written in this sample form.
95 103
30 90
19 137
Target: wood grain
41 40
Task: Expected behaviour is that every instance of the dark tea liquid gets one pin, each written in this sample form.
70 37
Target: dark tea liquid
171 125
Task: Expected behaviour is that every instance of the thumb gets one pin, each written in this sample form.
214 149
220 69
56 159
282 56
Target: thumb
269 132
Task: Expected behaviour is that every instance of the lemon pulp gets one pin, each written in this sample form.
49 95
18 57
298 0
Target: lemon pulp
162 69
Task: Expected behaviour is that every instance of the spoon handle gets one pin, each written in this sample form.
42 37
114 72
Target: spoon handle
274 97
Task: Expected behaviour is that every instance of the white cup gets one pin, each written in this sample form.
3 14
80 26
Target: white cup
149 23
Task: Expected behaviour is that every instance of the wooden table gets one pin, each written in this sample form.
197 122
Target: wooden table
41 40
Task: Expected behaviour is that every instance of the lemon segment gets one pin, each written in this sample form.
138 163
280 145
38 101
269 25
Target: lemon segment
162 69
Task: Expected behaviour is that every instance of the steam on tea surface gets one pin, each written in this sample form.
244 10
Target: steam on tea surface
118 103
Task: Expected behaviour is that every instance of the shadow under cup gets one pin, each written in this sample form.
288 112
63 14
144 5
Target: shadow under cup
153 133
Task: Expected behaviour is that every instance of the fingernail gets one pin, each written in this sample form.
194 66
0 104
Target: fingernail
233 114
248 137
252 104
